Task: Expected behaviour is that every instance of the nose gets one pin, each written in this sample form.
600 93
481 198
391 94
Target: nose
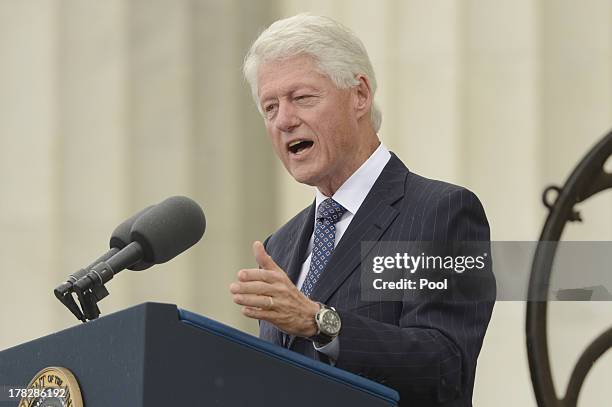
286 117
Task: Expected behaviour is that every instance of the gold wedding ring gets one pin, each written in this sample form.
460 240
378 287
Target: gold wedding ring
271 302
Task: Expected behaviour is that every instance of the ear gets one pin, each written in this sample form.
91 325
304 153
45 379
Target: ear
362 96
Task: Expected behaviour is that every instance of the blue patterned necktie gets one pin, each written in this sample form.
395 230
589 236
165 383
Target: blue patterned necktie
328 213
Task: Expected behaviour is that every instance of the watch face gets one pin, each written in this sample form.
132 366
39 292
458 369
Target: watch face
330 323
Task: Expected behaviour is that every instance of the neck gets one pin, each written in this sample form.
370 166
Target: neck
364 152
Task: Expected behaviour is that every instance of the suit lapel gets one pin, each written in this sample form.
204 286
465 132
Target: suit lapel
296 247
371 220
297 251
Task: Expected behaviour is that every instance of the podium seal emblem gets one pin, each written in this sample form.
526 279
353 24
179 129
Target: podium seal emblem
52 387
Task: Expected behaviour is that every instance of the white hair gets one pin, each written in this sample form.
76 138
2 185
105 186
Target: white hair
338 53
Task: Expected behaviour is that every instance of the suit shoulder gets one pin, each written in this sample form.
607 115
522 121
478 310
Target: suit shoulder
420 190
445 211
432 189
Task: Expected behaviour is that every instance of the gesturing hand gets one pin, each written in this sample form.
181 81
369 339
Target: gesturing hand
267 293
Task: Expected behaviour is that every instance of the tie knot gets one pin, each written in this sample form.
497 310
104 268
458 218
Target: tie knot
330 210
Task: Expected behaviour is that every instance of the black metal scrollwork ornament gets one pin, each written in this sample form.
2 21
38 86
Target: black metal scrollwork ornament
588 178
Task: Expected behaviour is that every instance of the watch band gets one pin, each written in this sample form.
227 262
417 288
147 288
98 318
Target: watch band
321 339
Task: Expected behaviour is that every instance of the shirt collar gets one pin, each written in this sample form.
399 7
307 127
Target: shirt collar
353 192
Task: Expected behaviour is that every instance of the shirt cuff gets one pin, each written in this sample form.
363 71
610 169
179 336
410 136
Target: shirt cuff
331 350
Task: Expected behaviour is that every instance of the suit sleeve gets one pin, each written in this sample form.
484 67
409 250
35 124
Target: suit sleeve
430 352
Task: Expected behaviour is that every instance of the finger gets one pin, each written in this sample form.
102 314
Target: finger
255 301
263 258
246 275
257 313
252 287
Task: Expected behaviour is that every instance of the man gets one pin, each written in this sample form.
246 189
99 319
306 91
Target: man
314 85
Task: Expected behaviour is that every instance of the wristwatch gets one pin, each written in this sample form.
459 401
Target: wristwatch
328 325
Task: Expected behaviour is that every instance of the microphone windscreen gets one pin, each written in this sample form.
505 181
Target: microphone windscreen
168 229
121 235
121 238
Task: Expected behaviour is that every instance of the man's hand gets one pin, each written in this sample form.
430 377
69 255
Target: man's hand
267 293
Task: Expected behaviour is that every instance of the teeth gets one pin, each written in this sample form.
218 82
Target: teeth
295 143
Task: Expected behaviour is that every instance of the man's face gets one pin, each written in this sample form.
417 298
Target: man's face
311 123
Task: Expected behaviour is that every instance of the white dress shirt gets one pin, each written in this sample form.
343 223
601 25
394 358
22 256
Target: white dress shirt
350 195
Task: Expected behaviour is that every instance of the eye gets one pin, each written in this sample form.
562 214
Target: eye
270 109
303 98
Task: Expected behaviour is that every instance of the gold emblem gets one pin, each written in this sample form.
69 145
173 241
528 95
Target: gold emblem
52 387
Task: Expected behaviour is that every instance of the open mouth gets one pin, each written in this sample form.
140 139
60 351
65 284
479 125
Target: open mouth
299 146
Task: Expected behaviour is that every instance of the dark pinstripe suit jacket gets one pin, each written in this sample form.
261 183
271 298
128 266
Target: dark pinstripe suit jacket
427 350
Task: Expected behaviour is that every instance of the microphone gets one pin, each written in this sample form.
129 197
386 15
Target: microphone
119 239
156 236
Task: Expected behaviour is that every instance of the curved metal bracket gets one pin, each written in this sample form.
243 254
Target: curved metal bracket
588 178
575 215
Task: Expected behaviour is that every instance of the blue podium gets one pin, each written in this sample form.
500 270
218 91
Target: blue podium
155 355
